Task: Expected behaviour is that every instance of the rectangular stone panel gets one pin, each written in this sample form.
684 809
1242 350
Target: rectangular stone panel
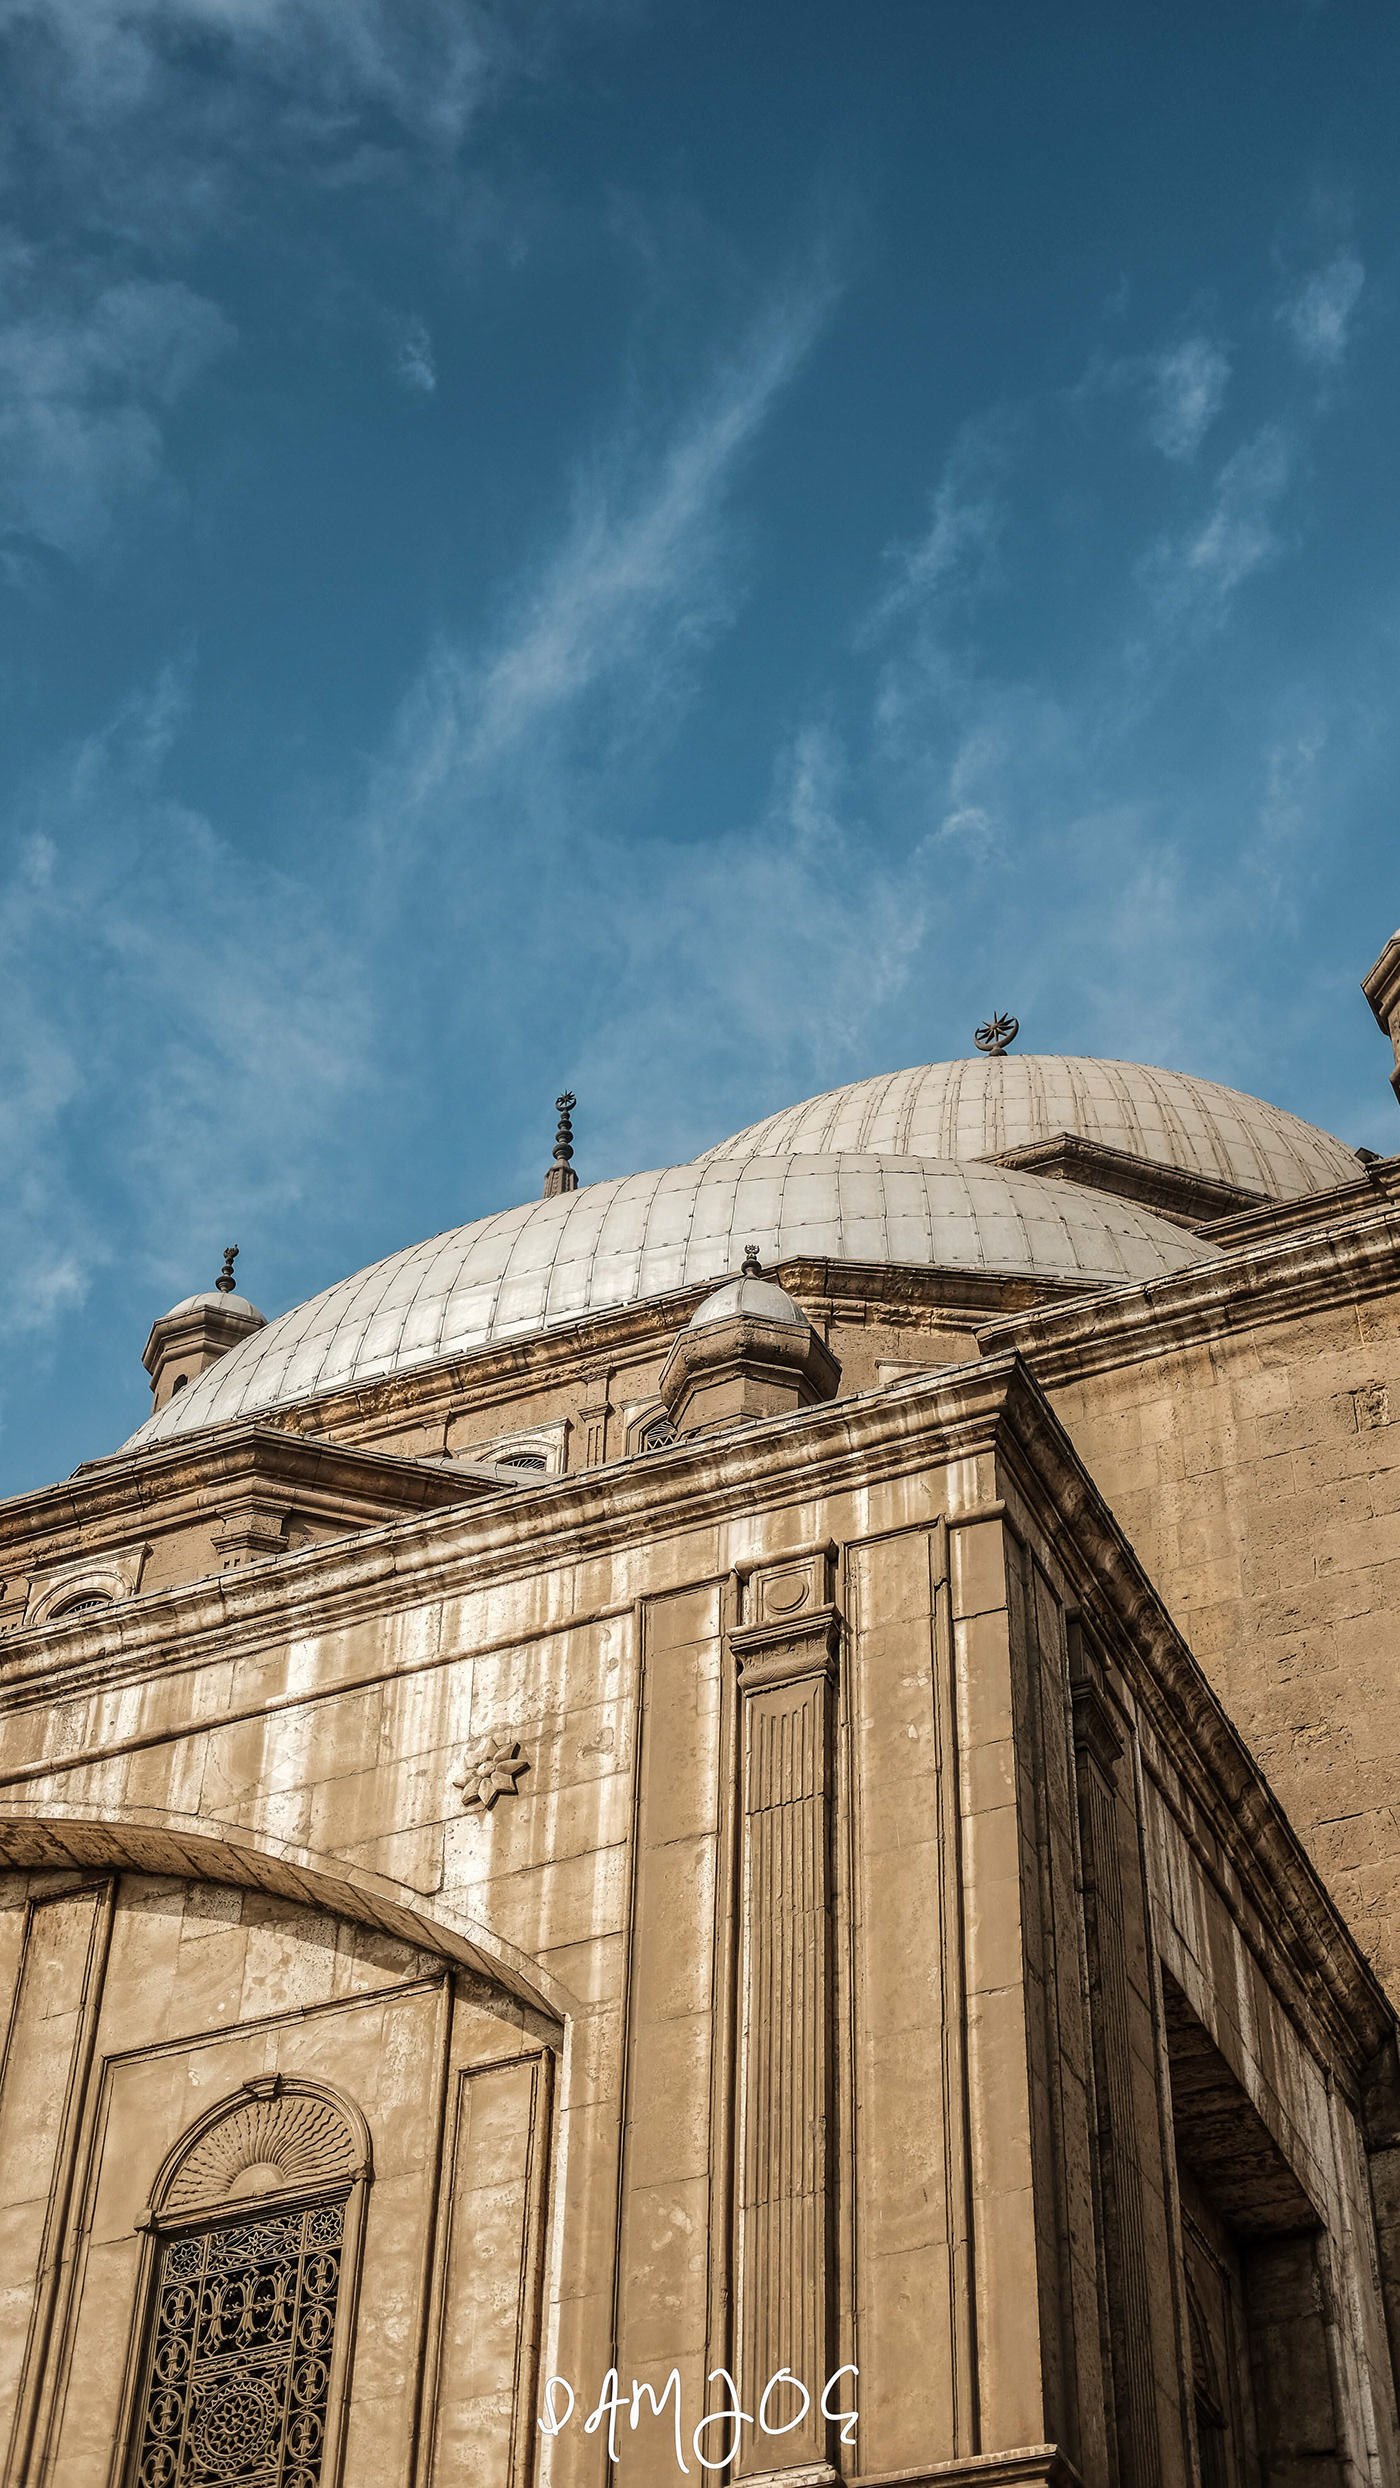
915 2340
489 2318
785 2239
47 2048
663 2236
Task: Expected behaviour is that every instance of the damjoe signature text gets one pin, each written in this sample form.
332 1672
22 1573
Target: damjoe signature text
612 2402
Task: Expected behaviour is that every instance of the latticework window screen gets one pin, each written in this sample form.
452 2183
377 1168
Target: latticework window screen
238 2356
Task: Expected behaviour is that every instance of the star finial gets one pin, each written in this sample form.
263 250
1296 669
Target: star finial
561 1176
226 1282
994 1036
752 1266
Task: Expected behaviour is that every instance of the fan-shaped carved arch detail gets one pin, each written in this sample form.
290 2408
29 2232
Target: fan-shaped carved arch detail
260 2145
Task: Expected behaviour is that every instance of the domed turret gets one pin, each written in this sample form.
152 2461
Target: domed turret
195 1333
747 1351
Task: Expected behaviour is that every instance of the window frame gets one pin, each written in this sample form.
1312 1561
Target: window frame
159 2226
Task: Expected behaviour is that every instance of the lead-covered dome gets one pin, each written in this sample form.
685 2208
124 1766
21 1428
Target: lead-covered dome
989 1103
610 1244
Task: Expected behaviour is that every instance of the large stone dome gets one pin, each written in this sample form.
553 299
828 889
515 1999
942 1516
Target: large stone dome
989 1103
609 1244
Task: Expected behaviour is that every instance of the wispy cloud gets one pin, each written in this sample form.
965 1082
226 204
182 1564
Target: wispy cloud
1319 315
427 63
966 521
178 1029
1193 576
197 1028
1049 805
1182 388
414 364
756 962
84 387
1186 389
677 961
613 618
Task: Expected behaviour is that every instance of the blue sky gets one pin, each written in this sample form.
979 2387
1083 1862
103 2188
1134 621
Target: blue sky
687 550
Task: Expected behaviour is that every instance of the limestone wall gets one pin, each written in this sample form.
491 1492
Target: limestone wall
1257 1475
794 2001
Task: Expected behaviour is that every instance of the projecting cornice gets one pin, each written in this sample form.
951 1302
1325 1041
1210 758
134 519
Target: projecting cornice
1174 1192
1245 1290
1381 986
217 1467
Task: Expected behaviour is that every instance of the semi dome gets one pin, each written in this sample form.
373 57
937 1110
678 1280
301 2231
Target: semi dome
610 1244
979 1107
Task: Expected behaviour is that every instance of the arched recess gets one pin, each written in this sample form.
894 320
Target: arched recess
180 1844
247 2293
153 1969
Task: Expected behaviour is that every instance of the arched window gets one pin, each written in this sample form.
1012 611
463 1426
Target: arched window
81 1606
249 2294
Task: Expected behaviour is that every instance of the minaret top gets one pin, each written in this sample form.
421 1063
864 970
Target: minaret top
561 1176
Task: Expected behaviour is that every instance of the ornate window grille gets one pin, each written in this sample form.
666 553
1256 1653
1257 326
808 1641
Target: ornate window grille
250 2299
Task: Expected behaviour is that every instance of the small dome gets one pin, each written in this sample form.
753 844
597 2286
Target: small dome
978 1108
213 1302
752 1299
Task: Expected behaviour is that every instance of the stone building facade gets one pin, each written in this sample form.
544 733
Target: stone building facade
740 1822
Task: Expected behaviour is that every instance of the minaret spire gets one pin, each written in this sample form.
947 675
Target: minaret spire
561 1176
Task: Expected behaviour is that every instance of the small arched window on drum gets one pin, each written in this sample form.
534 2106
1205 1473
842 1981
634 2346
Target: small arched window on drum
253 2240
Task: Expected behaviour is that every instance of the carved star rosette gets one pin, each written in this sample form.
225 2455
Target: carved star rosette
489 1769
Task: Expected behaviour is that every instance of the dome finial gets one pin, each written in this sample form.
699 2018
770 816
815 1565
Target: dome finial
226 1282
994 1036
751 1267
561 1176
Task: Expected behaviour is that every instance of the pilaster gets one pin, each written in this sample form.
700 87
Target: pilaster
787 1655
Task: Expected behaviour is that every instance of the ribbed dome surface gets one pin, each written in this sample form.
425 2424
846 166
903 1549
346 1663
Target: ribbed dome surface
609 1244
974 1108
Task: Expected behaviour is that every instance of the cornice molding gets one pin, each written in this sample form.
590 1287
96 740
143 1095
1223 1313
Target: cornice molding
1246 1290
779 1652
234 1460
1376 1182
1381 985
1174 1192
224 1852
